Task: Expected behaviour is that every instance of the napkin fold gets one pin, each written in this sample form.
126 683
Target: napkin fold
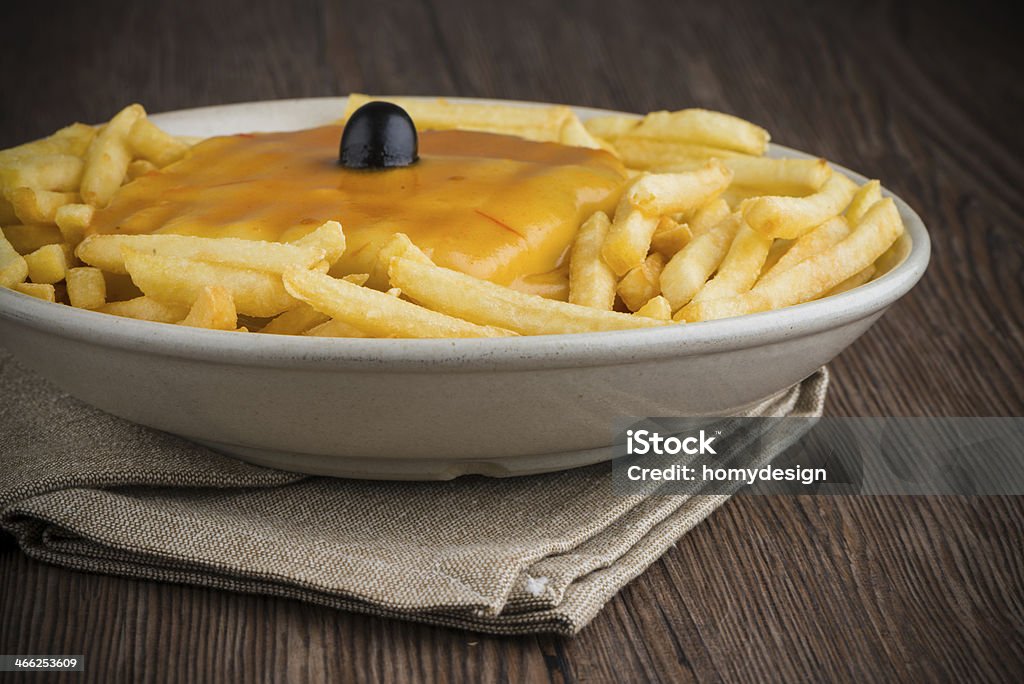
85 490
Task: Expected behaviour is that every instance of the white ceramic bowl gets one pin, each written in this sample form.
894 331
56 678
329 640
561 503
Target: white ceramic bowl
430 409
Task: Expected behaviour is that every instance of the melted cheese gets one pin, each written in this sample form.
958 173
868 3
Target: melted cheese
493 206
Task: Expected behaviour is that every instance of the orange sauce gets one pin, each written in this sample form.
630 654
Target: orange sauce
494 206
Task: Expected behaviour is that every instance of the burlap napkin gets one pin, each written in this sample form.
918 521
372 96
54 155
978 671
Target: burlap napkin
83 489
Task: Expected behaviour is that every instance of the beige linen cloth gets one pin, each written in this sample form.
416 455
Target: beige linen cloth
86 490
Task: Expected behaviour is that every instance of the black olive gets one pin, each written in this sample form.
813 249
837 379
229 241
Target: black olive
378 135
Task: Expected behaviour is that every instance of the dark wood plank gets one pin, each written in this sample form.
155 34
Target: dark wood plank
922 95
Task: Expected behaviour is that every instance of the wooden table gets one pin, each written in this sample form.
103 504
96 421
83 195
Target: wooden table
924 96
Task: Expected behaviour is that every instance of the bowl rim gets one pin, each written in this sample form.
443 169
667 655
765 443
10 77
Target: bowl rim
490 354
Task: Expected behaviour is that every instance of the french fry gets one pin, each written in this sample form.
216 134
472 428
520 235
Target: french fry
335 328
768 176
43 291
328 236
13 267
176 280
485 303
296 321
642 283
533 123
704 127
687 271
708 216
864 199
591 280
807 245
87 289
629 238
149 142
611 127
108 156
856 280
377 313
670 236
814 276
56 172
28 238
398 245
775 253
644 153
791 217
658 194
657 308
48 264
138 168
71 140
39 206
107 251
73 220
214 309
740 268
146 309
575 134
357 278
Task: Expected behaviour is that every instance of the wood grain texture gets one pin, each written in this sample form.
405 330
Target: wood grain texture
925 96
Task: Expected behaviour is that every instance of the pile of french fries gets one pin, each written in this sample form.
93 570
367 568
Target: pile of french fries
707 227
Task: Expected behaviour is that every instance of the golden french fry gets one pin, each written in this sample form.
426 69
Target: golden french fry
865 197
48 264
72 221
56 172
629 238
296 321
856 280
138 168
611 127
149 142
177 280
107 251
87 288
335 328
689 269
71 140
791 217
146 309
767 176
398 245
657 308
214 309
807 245
575 134
328 236
13 267
533 123
658 194
704 127
814 276
708 216
670 237
377 313
642 283
43 291
591 280
645 153
39 206
739 269
486 303
108 156
775 252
